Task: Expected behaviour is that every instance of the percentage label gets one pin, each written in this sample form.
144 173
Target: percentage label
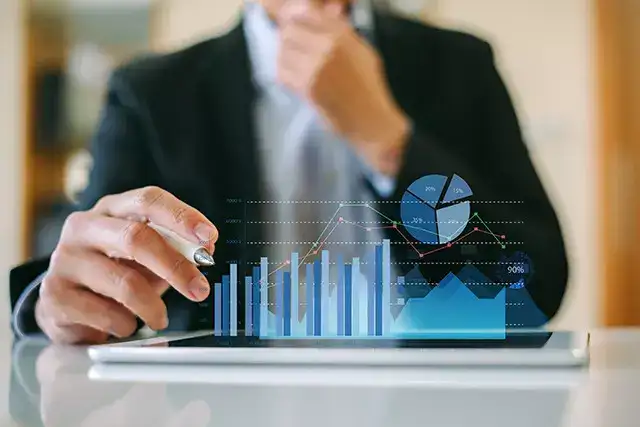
458 190
418 220
516 269
430 188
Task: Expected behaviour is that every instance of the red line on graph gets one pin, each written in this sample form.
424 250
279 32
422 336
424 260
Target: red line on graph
408 241
449 245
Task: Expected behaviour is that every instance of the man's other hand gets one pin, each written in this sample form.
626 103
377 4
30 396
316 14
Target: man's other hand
325 60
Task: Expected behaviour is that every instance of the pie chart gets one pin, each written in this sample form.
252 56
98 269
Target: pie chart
435 209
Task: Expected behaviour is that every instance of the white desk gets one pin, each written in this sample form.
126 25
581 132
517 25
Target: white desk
51 387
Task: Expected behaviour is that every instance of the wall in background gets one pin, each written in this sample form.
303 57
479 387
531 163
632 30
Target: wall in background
12 135
178 23
543 50
12 130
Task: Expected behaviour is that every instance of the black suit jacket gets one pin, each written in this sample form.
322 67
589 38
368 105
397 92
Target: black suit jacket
184 122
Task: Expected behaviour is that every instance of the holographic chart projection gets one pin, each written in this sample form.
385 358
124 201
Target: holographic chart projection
439 290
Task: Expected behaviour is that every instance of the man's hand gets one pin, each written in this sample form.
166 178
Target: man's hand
110 267
324 59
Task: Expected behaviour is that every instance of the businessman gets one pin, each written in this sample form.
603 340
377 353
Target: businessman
294 104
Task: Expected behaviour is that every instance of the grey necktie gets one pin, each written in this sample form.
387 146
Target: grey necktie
318 199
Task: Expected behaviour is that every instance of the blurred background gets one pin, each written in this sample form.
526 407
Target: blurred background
569 65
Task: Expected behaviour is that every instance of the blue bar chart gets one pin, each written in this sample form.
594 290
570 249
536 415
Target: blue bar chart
299 300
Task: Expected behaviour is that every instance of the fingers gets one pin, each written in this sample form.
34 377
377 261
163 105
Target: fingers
117 281
159 285
138 242
294 41
300 58
71 314
309 38
161 208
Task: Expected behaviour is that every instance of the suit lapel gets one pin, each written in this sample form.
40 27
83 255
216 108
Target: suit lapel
407 66
230 97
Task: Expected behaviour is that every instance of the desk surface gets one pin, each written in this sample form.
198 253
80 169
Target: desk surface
51 386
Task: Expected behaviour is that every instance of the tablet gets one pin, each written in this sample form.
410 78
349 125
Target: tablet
518 348
324 376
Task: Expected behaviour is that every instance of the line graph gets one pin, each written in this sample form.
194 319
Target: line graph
333 224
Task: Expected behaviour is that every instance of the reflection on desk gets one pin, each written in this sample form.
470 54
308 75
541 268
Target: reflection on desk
57 386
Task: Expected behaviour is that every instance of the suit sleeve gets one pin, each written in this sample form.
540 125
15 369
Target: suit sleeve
120 163
507 193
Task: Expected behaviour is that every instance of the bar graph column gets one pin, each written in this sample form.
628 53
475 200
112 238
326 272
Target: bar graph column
386 287
310 300
264 296
217 314
255 289
225 306
248 311
286 305
279 306
317 299
371 295
401 282
326 296
348 305
378 292
340 296
233 301
295 288
355 300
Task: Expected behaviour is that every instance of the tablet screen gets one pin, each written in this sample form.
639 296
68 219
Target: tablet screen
530 339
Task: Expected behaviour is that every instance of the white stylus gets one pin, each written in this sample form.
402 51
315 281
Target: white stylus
197 254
